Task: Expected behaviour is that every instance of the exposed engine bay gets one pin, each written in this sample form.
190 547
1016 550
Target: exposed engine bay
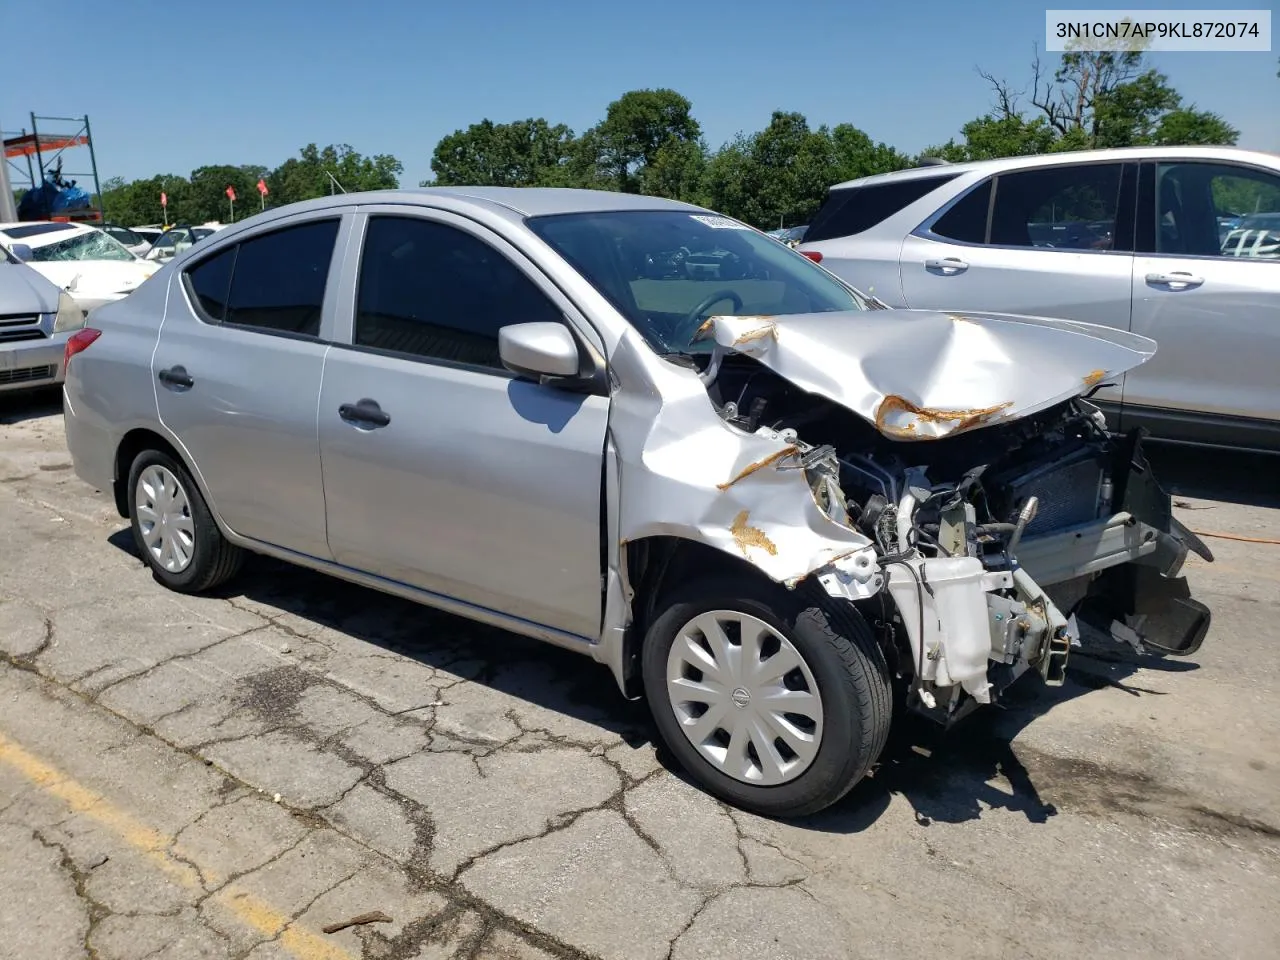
998 550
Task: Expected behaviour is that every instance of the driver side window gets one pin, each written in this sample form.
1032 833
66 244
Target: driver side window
430 290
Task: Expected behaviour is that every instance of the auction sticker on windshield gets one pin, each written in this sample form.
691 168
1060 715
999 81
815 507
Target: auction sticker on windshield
719 223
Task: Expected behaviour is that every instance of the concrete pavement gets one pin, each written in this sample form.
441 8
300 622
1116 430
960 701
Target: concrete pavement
226 776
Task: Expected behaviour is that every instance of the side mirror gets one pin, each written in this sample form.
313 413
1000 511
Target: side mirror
22 251
539 350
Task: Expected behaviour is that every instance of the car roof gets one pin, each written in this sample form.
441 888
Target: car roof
1066 156
513 202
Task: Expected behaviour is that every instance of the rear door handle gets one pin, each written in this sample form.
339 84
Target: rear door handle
948 265
175 377
365 412
1179 280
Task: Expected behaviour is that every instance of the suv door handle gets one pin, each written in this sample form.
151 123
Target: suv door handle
175 377
1179 280
365 412
948 265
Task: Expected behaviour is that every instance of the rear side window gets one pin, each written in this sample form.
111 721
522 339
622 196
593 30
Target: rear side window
274 282
852 210
210 280
1072 208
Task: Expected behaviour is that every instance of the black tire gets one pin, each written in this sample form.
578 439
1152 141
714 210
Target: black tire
845 660
213 560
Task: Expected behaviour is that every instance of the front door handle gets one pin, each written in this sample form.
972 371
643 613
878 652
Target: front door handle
365 412
175 377
1179 280
948 265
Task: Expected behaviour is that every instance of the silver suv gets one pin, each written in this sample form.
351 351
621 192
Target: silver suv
1138 239
647 433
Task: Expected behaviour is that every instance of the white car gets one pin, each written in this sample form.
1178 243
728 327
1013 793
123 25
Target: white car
89 264
1178 244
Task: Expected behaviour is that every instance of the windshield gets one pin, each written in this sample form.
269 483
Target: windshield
93 245
667 271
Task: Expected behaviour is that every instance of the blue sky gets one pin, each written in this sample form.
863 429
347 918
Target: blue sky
175 85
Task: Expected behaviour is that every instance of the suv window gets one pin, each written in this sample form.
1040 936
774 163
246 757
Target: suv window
431 290
1071 207
279 279
1217 209
966 221
851 210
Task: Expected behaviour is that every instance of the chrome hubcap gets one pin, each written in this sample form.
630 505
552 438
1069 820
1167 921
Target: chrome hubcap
744 697
164 517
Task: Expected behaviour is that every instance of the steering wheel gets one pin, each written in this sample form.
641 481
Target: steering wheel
693 319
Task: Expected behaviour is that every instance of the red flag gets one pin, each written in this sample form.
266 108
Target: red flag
262 186
164 200
231 194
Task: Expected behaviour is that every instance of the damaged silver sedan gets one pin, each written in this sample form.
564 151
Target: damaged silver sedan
649 433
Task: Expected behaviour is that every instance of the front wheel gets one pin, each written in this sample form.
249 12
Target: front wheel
775 702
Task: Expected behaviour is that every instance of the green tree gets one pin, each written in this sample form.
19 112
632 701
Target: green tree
854 155
780 175
521 154
308 175
1093 99
677 171
637 126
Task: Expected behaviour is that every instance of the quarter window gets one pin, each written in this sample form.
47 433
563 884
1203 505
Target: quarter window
210 280
431 290
1072 208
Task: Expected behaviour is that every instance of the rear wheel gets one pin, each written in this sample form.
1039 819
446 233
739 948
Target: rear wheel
775 702
173 528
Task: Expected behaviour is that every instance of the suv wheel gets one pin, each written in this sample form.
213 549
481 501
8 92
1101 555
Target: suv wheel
172 527
775 701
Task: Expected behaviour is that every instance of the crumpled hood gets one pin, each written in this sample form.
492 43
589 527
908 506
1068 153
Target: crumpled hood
922 375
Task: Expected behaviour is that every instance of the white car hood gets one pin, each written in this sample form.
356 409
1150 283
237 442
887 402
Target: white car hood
922 375
96 279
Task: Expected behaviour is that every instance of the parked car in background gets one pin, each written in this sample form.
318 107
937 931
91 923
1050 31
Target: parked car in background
1256 237
91 265
132 240
150 233
36 319
1137 239
647 433
789 235
176 239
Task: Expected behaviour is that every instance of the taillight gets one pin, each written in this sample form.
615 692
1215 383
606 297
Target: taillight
813 255
79 341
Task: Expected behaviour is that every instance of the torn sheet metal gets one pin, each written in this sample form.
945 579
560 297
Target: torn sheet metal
685 472
920 375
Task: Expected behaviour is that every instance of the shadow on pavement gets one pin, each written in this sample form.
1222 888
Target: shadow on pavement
1230 476
19 405
951 776
538 673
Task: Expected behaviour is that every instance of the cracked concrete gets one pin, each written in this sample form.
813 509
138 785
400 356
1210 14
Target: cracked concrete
223 776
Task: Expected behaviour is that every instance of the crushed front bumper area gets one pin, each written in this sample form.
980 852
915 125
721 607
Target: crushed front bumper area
974 629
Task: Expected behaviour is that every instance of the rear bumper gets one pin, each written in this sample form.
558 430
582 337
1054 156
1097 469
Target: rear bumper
27 364
90 440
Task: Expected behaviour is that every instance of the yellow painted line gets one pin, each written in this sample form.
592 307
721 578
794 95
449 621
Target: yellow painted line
154 846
